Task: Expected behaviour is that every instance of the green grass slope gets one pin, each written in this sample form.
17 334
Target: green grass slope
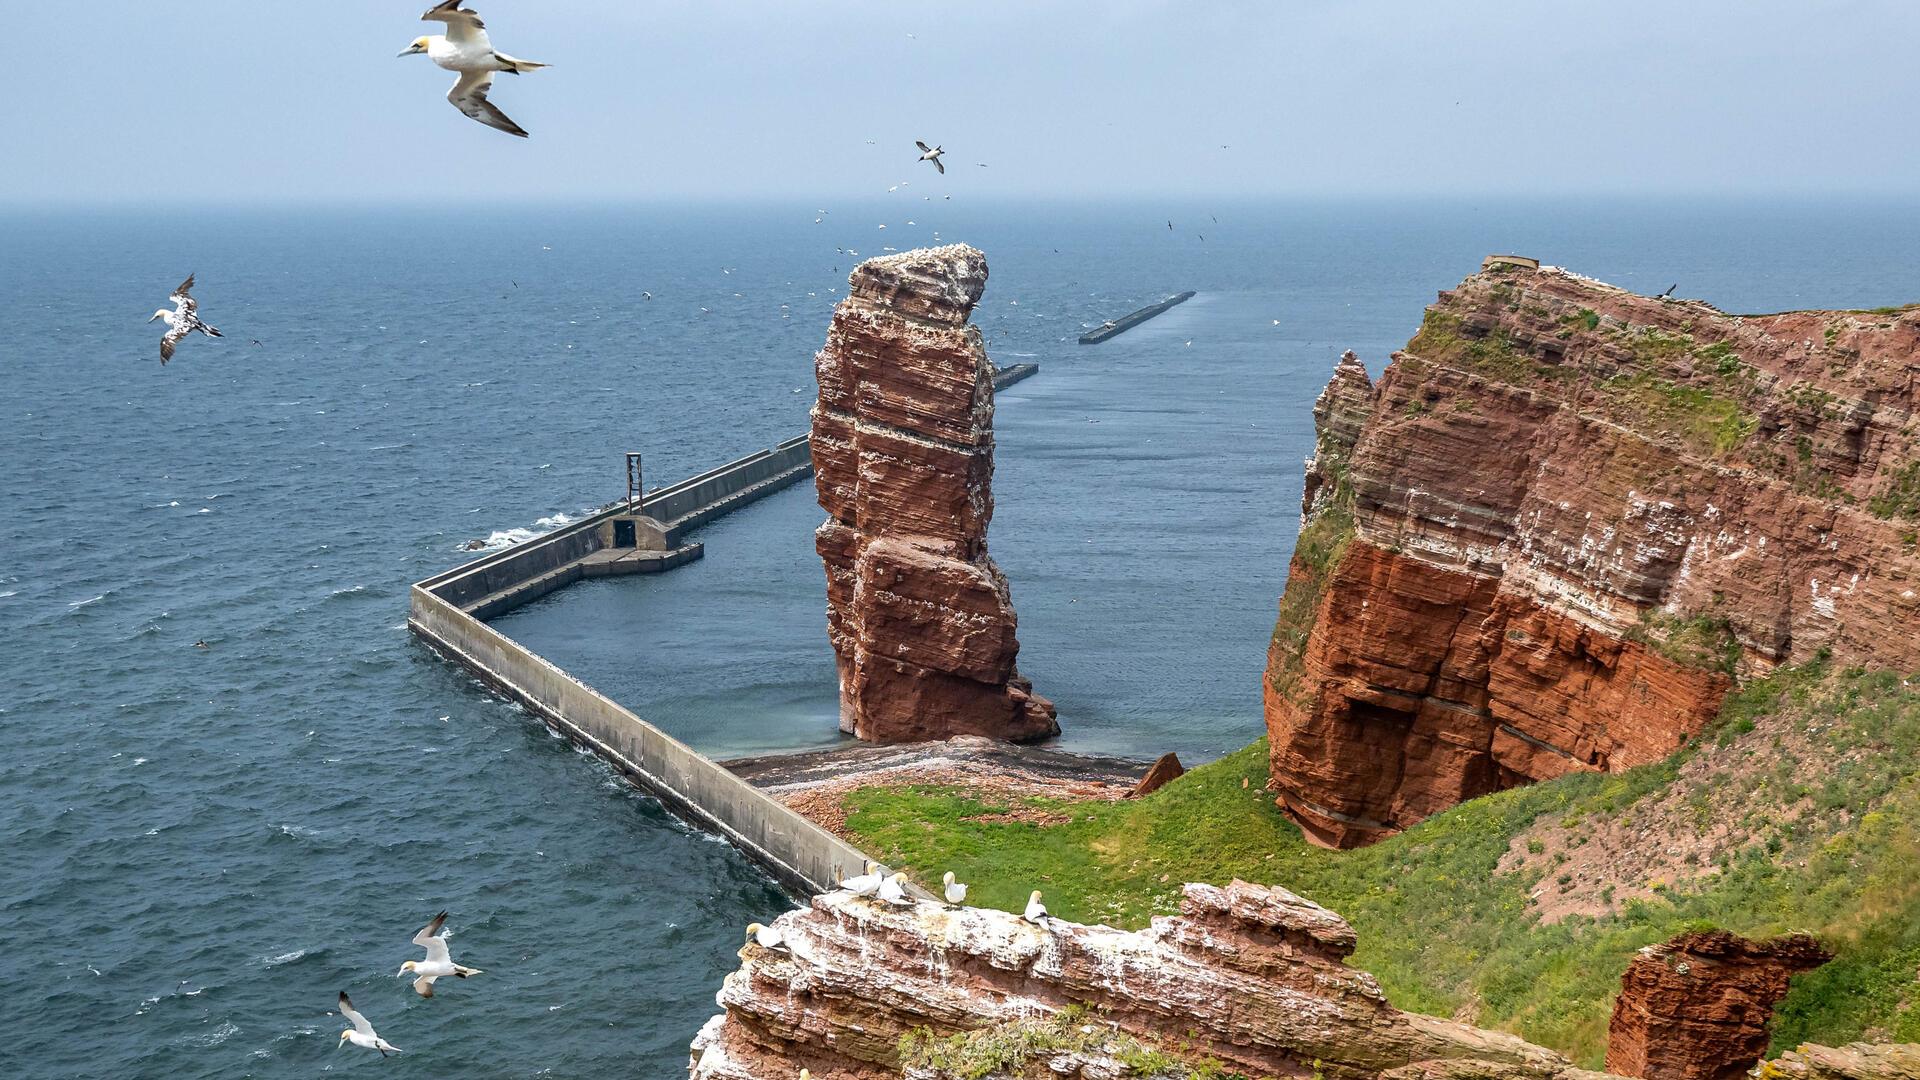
1828 841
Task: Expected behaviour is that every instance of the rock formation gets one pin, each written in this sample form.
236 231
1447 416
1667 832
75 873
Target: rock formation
1699 1007
920 618
1563 519
1855 1061
1165 771
1250 977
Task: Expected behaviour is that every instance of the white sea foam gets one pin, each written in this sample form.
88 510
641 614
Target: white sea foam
89 600
217 1036
283 958
9 592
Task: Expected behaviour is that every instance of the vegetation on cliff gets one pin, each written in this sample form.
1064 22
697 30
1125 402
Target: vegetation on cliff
1811 779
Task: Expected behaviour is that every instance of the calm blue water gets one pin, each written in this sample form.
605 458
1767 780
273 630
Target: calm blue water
203 846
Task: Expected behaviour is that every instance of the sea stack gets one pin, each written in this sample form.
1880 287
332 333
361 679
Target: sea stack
920 618
1560 524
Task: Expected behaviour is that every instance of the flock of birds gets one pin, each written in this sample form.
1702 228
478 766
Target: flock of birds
891 889
438 965
466 50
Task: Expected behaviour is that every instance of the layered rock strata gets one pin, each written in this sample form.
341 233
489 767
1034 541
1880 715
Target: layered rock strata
920 617
1699 1006
1855 1061
1248 977
1560 523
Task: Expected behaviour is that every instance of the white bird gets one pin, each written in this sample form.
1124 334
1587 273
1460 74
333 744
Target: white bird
361 1033
438 964
465 48
766 936
931 153
955 892
894 890
866 884
181 321
1036 911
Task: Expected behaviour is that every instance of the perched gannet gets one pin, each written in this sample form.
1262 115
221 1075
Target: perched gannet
466 49
955 892
931 153
361 1033
1036 911
438 963
866 884
181 321
766 936
893 890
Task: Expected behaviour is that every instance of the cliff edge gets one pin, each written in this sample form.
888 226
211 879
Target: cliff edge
1562 522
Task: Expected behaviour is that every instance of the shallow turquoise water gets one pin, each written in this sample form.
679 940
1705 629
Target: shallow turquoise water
203 847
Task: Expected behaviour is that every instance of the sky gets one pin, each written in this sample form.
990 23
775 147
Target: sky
130 101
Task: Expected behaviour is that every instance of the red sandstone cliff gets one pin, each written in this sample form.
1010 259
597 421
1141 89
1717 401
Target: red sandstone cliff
1699 1007
920 618
1560 522
1248 977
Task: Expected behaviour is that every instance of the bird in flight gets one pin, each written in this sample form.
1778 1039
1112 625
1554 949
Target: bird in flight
181 321
931 153
439 962
1669 291
361 1033
465 48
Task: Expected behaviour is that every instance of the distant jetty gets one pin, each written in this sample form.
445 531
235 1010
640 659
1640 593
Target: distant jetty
1115 327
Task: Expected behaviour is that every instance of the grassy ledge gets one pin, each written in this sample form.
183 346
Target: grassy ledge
1830 845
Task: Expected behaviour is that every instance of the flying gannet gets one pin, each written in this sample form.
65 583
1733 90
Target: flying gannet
181 321
931 153
865 884
1036 911
766 936
361 1033
466 49
955 892
438 964
894 891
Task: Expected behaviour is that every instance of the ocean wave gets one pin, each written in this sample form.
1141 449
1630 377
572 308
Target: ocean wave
225 1031
78 604
500 539
283 959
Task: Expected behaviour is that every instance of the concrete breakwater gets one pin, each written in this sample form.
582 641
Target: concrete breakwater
1115 327
448 613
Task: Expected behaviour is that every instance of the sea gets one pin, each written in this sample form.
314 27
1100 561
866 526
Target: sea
200 847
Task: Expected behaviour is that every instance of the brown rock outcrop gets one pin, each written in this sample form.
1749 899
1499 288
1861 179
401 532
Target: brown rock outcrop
1699 1006
1854 1061
920 618
1563 518
1165 771
1250 977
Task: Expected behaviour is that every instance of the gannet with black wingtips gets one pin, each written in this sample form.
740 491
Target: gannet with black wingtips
465 48
438 964
893 890
931 153
184 319
1036 912
361 1033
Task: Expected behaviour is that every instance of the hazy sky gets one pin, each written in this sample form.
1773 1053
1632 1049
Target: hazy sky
131 100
